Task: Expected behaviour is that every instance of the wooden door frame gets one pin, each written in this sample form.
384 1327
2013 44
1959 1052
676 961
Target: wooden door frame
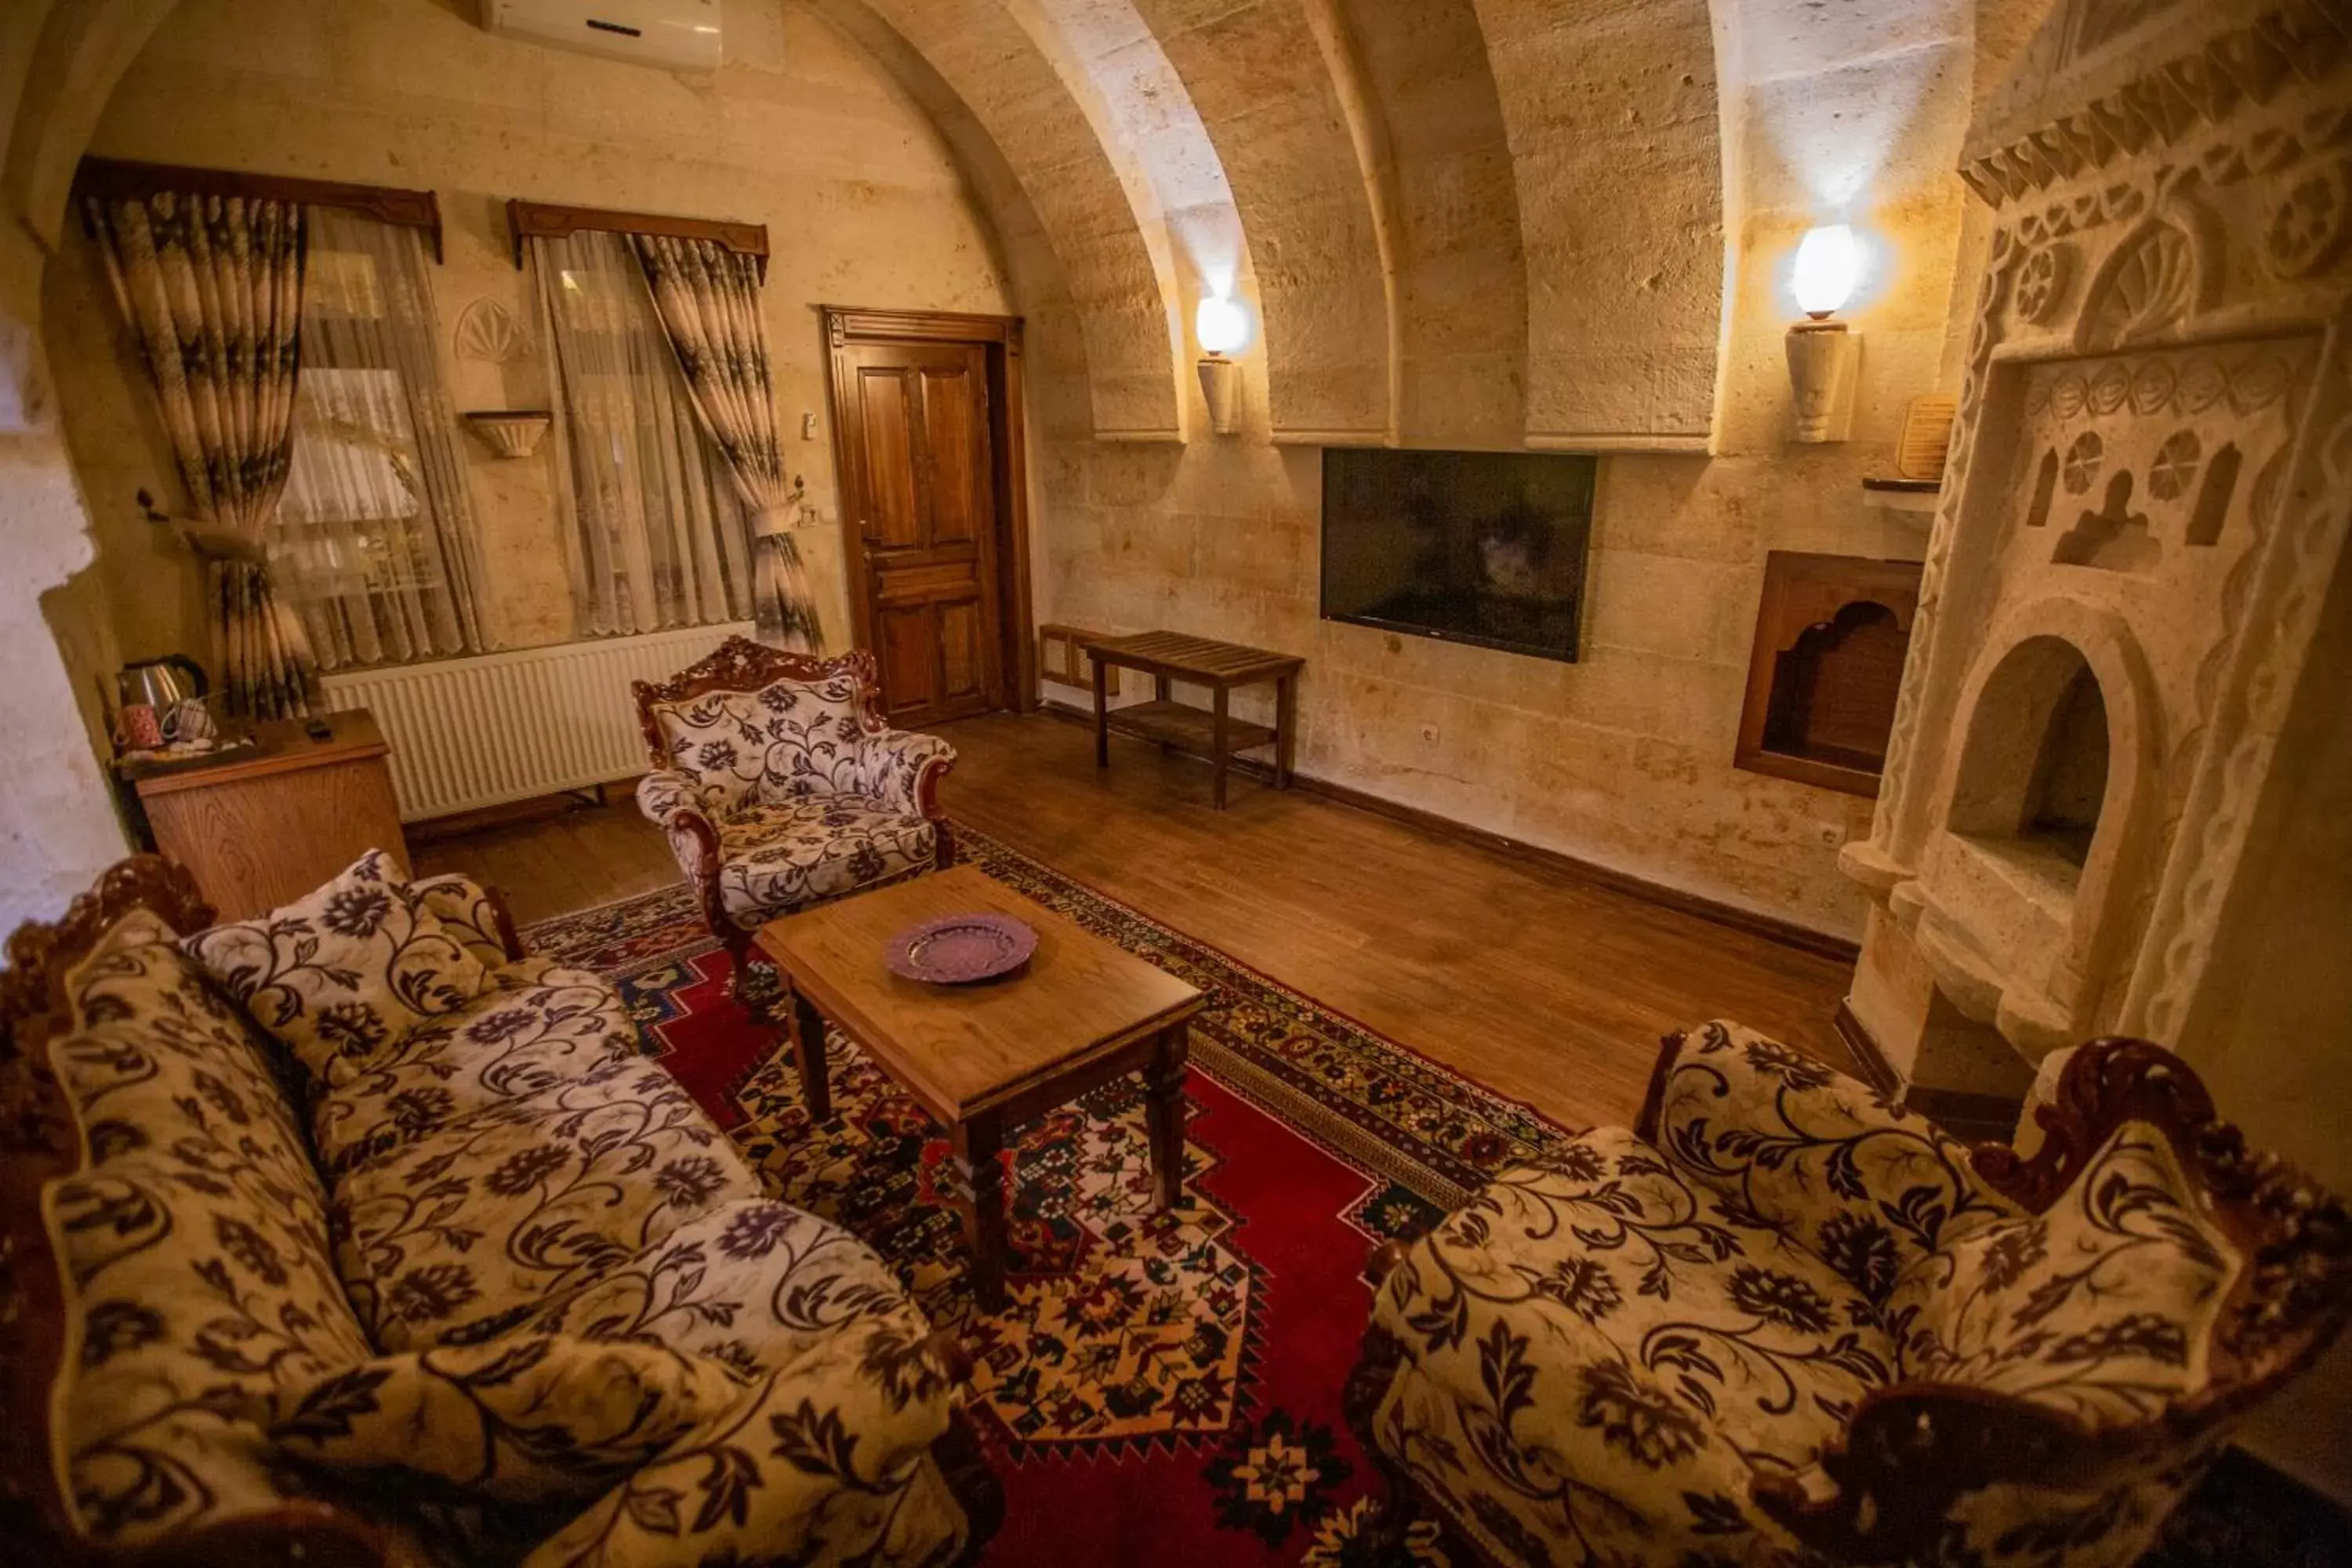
848 326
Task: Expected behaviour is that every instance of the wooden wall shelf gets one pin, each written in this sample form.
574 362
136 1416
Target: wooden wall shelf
1831 639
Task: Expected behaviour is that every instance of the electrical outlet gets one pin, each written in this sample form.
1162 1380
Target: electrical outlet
1830 834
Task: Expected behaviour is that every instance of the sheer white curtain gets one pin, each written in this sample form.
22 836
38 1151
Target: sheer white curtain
660 534
374 538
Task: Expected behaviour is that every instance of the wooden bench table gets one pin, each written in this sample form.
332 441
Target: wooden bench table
1170 657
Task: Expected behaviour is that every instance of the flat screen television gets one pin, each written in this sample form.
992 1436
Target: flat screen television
1475 547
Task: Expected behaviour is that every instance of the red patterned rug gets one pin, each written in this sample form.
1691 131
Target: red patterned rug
1162 1388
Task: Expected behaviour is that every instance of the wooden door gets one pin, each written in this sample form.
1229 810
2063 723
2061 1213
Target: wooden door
921 493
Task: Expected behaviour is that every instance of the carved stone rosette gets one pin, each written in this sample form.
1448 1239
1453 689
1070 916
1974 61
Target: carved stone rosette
2145 504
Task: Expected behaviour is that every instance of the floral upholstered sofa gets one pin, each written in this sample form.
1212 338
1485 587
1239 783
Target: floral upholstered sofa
780 786
1785 1323
350 1234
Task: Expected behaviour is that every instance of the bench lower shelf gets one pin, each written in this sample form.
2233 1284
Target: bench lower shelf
1188 729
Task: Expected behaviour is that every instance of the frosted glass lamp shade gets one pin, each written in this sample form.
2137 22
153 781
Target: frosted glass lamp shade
1827 265
1222 325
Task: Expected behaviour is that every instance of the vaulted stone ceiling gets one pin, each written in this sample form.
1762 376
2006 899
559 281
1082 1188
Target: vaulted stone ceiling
1455 218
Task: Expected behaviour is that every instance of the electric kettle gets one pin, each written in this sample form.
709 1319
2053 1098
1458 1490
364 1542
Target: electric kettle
161 683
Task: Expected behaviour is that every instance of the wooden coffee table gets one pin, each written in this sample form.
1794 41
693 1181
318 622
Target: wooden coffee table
984 1058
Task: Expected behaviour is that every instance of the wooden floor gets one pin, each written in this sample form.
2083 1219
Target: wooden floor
1538 983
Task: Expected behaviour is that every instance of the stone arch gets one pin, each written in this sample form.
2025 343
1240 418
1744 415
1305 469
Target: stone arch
2006 706
1301 153
1616 109
982 72
70 73
59 66
1460 301
1117 72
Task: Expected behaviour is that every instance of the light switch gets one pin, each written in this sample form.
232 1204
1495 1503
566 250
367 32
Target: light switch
808 426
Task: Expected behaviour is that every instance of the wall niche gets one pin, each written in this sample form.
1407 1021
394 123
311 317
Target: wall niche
1827 666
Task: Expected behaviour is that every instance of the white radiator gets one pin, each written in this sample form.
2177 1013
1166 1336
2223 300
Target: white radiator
470 732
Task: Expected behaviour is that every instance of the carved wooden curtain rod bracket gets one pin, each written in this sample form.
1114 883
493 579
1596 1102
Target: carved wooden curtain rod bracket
547 220
122 178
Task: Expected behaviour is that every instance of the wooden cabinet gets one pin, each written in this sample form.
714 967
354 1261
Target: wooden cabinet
265 825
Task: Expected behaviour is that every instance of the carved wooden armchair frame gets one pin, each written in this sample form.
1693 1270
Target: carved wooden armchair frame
1915 1446
740 665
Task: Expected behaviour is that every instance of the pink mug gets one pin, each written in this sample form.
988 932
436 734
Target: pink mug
141 730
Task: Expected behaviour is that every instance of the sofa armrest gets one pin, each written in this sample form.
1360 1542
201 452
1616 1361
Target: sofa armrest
901 770
665 794
821 1461
1799 1148
673 803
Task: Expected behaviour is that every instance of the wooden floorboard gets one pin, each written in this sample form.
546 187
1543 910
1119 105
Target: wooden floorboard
1539 983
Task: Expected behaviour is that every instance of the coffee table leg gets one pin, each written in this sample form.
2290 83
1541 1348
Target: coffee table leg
808 1051
976 1145
1164 1088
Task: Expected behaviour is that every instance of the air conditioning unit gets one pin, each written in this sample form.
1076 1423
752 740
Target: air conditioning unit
675 34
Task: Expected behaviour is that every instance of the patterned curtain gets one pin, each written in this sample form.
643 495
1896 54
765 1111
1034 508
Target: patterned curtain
212 286
659 535
375 545
708 300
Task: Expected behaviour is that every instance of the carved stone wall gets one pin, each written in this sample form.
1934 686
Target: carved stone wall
2150 463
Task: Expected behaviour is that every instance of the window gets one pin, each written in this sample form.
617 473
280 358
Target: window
659 530
374 544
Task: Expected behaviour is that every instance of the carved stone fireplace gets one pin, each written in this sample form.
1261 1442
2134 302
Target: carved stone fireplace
2147 501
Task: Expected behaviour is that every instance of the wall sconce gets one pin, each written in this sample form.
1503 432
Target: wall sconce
1824 354
1222 326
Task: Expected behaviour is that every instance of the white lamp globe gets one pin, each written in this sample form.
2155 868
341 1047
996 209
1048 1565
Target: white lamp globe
1827 265
1221 324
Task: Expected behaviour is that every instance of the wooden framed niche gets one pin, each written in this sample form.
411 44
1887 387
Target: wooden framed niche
1831 639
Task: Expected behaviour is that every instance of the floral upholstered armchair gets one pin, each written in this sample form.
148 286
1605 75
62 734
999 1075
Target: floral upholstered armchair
1786 1323
780 785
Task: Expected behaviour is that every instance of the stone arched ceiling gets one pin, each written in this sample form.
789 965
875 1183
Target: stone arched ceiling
1460 299
83 48
1114 267
1275 85
1612 109
1464 221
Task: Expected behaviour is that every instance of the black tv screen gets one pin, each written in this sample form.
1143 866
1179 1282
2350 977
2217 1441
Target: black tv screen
1476 547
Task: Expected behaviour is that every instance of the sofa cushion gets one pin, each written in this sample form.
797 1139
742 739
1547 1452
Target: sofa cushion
536 1027
754 1283
787 741
473 1223
198 1272
826 1458
1779 1136
828 1462
2102 1306
343 973
462 906
1600 1349
777 858
1617 1280
520 1420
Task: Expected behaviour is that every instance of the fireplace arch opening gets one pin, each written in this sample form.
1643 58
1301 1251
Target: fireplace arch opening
2033 775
